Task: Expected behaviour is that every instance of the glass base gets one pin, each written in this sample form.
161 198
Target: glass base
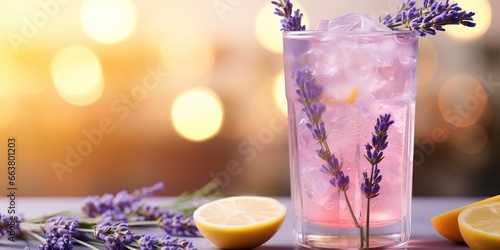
318 237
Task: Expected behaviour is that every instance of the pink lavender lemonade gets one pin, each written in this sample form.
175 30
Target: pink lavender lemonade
357 77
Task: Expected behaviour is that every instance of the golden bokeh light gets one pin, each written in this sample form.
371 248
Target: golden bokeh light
462 101
187 53
482 18
470 140
77 75
279 93
267 27
197 114
108 21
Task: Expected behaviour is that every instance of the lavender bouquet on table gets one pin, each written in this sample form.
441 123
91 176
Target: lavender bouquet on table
432 16
107 222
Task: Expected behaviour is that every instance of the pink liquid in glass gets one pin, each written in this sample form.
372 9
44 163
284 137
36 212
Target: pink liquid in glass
364 75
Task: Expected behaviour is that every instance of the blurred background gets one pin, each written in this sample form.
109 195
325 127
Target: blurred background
104 95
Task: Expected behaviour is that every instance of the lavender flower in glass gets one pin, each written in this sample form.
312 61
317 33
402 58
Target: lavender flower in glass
370 186
336 86
344 80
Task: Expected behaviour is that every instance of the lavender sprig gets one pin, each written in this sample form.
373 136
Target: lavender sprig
114 236
5 224
177 225
309 96
59 226
173 223
116 207
429 18
291 20
63 242
105 217
370 186
60 234
166 242
118 236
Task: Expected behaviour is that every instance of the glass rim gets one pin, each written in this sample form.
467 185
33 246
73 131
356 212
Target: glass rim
322 33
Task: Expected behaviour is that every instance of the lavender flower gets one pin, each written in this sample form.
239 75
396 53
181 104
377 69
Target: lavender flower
309 95
6 224
369 188
63 242
429 18
116 207
175 224
168 243
379 140
370 185
333 166
147 213
292 20
341 182
172 223
114 236
148 191
59 226
147 242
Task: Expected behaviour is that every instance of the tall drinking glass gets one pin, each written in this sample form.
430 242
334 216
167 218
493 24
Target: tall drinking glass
351 111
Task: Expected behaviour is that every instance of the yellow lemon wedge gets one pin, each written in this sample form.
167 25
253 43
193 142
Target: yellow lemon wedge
446 224
480 226
239 222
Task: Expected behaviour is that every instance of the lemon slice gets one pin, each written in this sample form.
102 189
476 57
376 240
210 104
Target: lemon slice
480 226
446 224
240 222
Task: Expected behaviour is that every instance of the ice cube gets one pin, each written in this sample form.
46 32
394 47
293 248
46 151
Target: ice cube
352 22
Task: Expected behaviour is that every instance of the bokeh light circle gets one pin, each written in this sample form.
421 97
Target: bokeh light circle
471 140
77 75
462 101
482 18
197 114
108 21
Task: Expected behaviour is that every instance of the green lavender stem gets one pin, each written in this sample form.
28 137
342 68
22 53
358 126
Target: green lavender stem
361 243
368 199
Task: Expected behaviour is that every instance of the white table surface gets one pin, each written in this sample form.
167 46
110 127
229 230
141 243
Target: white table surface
423 235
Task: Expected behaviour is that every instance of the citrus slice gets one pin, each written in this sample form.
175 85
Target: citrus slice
446 224
240 222
480 226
